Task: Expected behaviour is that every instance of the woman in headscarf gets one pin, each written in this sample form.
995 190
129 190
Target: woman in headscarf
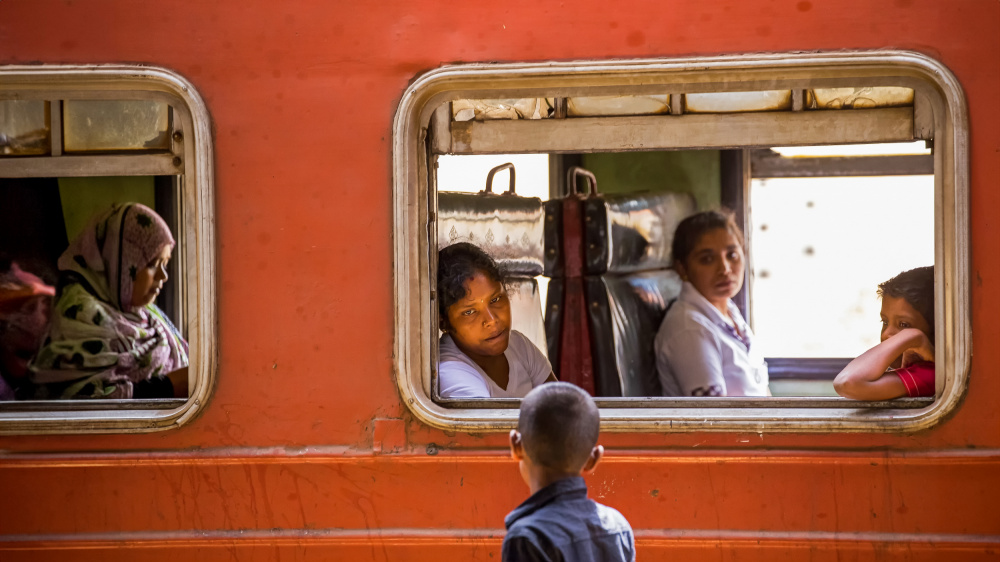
108 339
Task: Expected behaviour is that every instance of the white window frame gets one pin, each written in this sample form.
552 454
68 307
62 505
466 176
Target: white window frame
415 210
190 157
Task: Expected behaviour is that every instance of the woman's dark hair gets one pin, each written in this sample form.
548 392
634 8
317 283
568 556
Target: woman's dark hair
916 287
457 264
691 229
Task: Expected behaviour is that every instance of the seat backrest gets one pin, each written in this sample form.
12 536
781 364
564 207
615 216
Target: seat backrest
508 228
625 313
632 232
627 242
629 286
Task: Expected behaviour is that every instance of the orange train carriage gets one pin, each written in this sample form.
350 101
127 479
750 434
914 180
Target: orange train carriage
297 165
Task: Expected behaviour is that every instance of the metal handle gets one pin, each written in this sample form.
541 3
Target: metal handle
501 167
574 173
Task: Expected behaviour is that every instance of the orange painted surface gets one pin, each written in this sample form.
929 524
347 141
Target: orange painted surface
291 461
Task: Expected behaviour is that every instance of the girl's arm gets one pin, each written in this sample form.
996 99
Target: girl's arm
865 378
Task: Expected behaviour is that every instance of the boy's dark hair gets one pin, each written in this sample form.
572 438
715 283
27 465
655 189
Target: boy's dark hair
457 264
916 287
691 229
559 424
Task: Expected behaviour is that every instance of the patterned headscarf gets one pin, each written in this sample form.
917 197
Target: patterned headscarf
110 251
99 345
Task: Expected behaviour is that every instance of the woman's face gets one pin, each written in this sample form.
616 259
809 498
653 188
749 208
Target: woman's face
480 322
715 266
150 279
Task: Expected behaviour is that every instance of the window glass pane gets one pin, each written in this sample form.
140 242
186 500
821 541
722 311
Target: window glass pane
468 174
618 105
485 110
733 102
859 98
882 149
24 128
116 125
820 248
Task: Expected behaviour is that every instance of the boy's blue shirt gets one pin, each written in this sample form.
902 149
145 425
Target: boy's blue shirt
559 522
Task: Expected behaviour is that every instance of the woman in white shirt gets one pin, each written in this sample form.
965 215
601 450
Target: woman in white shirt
480 356
704 347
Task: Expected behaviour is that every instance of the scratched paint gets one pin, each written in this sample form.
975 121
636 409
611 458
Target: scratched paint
282 462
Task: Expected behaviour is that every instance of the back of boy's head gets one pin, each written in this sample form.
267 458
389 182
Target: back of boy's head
559 424
916 287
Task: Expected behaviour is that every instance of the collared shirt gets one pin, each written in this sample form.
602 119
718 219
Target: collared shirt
559 522
460 377
699 353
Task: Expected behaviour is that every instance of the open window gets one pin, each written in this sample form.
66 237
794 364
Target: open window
733 110
74 141
827 225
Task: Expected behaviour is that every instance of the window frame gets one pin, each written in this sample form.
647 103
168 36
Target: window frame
190 160
415 207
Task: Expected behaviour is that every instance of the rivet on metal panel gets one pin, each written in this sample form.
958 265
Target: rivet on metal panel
177 160
432 449
178 136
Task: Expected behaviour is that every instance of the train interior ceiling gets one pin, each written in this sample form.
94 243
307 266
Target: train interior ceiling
822 228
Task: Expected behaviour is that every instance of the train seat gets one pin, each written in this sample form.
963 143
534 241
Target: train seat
508 228
627 284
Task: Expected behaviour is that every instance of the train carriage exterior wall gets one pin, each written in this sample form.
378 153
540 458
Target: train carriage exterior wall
306 450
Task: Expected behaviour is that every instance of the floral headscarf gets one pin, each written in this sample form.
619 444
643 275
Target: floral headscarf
99 345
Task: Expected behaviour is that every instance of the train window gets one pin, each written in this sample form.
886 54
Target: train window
88 156
710 131
801 197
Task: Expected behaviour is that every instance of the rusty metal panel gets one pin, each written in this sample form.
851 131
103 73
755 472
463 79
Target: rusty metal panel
332 499
302 96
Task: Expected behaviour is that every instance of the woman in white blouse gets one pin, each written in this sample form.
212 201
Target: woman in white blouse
480 355
704 346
